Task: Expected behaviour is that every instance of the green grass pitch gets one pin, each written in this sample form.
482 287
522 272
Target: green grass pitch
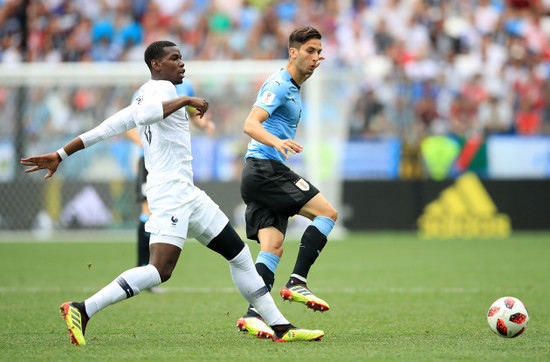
393 296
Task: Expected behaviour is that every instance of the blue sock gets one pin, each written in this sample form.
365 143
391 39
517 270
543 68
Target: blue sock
270 260
323 224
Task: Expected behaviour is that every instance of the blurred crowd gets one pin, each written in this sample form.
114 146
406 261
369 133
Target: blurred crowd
457 67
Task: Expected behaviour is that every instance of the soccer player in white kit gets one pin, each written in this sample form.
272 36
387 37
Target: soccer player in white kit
179 210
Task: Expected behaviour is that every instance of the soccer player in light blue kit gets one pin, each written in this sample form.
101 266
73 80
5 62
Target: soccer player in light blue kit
272 192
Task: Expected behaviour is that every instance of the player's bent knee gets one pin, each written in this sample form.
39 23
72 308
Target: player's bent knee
275 250
333 215
272 242
329 212
164 257
227 243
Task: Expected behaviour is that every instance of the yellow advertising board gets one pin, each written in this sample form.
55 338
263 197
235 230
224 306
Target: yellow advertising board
463 210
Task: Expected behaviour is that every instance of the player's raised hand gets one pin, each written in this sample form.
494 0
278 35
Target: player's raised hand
288 145
48 161
200 105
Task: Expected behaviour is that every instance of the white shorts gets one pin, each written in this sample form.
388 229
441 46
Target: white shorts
180 212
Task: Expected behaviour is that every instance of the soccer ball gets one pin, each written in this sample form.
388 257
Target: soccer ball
508 317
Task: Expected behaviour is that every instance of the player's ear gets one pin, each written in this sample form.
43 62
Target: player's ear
155 65
293 53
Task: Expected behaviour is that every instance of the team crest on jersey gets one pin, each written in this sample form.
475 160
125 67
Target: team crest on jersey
302 184
267 97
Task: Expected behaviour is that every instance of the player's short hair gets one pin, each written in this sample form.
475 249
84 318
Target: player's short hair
301 36
155 50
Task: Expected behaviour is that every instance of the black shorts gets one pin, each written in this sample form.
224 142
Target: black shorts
141 180
272 193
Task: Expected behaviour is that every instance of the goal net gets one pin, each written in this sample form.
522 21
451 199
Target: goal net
43 106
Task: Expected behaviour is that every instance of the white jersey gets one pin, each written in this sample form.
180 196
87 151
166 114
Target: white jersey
167 143
178 208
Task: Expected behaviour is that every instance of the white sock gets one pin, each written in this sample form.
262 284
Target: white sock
128 284
253 289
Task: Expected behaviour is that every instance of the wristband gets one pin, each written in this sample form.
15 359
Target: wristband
61 152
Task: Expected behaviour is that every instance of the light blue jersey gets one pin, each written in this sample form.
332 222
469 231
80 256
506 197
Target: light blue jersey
280 97
185 88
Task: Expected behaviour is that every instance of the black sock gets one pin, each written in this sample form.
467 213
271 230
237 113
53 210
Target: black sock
269 278
228 243
142 245
267 275
313 241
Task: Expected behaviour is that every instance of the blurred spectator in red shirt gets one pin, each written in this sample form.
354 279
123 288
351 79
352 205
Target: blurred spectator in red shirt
474 91
528 119
463 116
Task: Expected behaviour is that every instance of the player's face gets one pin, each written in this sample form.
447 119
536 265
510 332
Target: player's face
308 57
172 66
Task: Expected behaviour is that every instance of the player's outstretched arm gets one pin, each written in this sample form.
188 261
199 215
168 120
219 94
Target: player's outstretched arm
119 123
146 113
52 160
254 128
48 161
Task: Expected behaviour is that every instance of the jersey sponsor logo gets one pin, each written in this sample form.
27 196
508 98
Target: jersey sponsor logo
174 220
302 184
267 97
139 99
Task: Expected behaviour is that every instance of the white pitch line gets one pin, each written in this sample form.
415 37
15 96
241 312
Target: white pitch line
229 290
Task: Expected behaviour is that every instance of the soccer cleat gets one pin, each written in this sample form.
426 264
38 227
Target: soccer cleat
255 326
300 293
76 322
294 334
